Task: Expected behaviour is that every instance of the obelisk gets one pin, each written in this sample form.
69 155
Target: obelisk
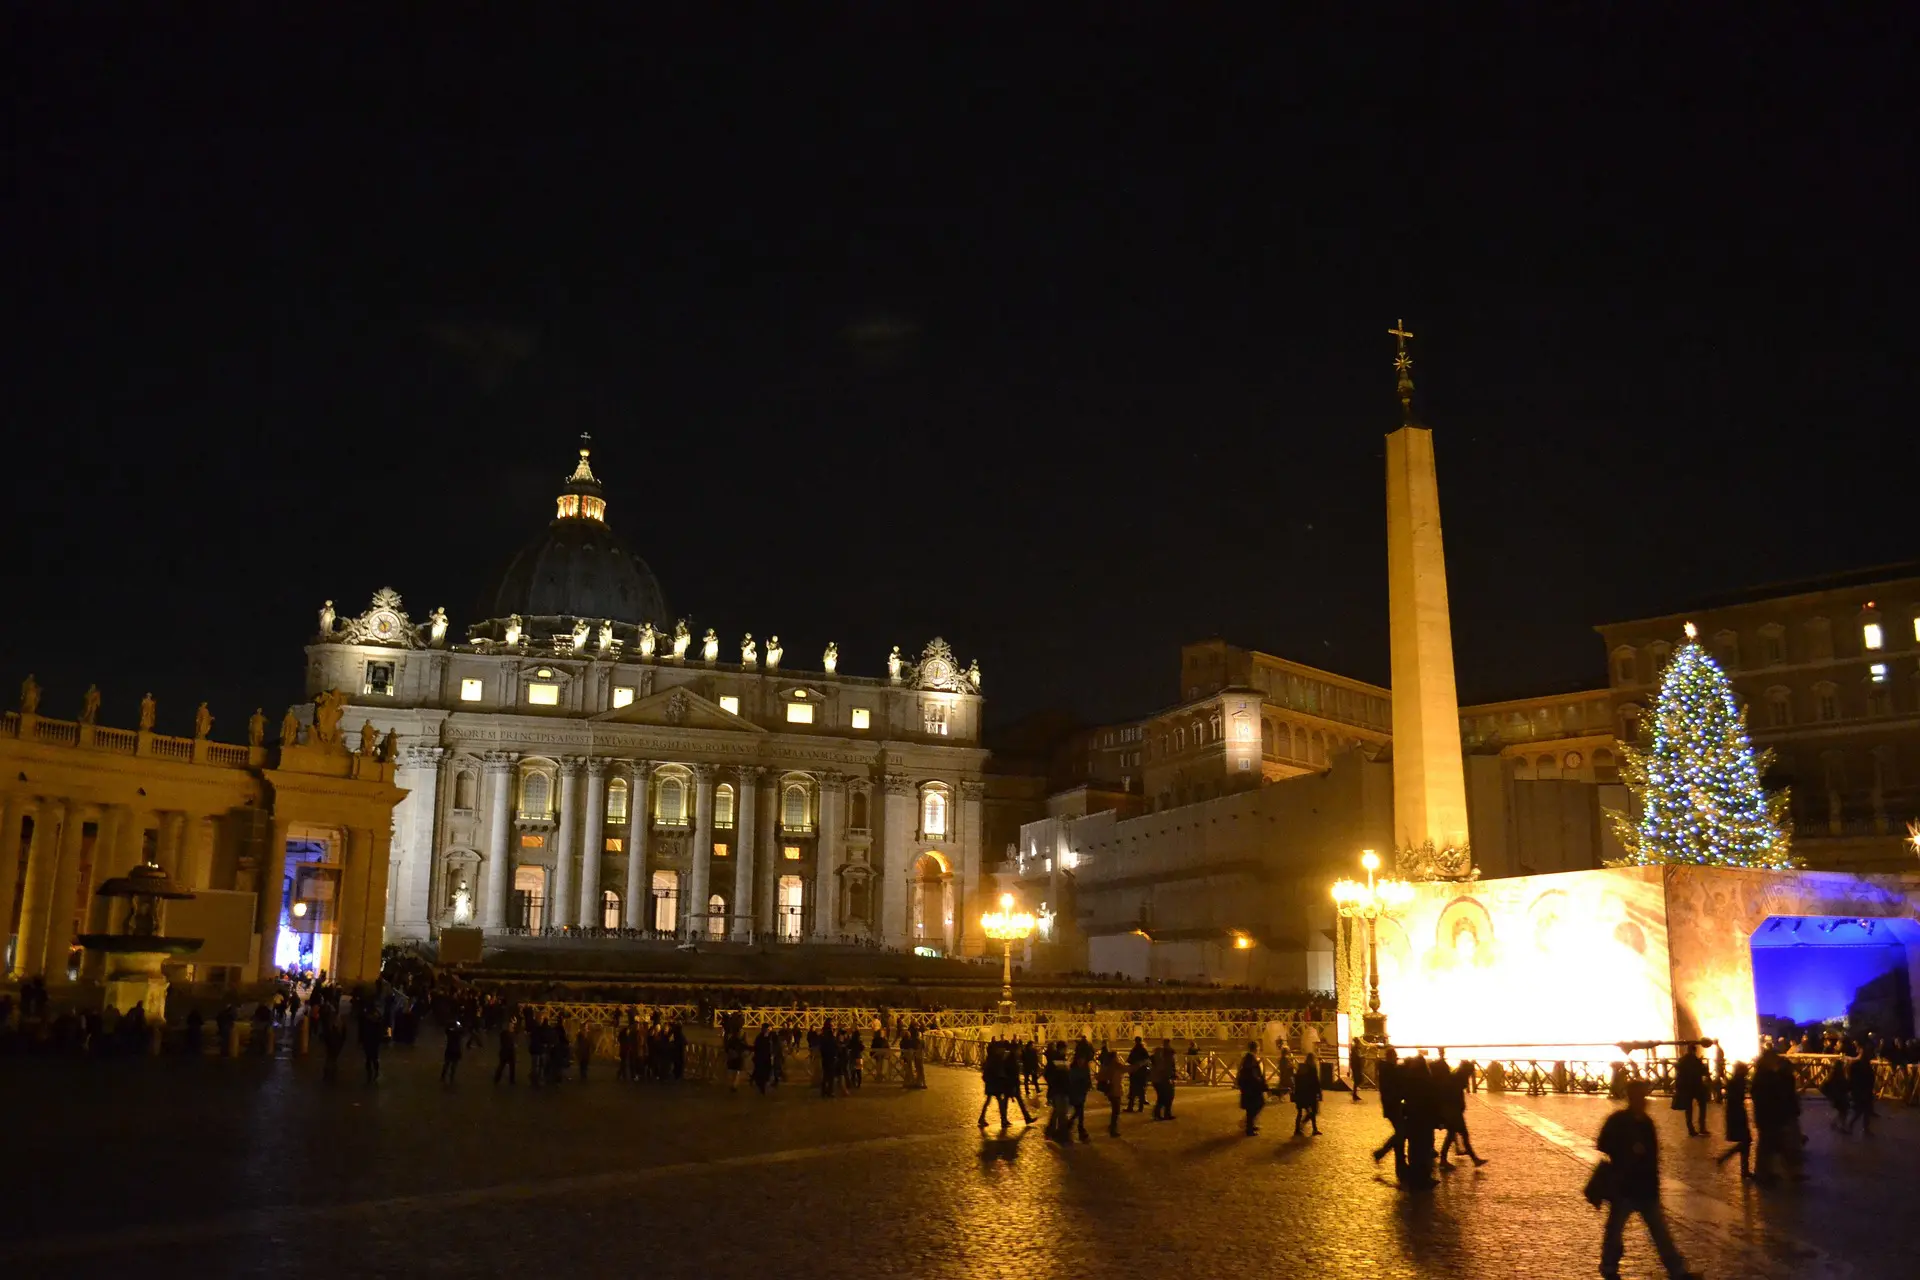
1429 784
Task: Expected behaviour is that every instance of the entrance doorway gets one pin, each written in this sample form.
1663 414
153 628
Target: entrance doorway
787 920
1842 973
930 903
528 910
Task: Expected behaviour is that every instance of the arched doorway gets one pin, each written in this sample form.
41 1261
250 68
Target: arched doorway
930 903
528 908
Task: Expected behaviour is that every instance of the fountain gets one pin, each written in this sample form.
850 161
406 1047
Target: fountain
137 951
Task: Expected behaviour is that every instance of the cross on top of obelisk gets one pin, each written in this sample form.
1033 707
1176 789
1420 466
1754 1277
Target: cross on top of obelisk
1403 369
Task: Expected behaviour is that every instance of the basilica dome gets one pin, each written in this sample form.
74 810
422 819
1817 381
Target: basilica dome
578 568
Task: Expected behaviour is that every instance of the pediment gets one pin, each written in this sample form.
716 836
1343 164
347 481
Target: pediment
679 708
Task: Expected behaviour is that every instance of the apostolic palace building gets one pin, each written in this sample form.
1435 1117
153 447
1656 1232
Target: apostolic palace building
585 760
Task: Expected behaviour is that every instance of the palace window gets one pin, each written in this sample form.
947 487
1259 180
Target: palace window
1773 645
1878 672
934 717
609 909
799 713
617 800
1826 702
536 792
1879 700
532 840
862 718
542 694
379 679
1779 708
793 807
666 893
622 696
723 806
472 689
730 704
1871 637
616 844
463 787
670 803
790 852
1624 669
716 917
721 850
857 810
933 813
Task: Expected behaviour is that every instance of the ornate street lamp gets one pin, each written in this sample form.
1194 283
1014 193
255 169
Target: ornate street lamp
1370 902
1006 927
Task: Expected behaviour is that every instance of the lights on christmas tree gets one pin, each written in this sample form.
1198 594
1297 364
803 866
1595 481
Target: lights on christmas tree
1697 784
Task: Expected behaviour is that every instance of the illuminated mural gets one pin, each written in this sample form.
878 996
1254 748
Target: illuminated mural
1567 965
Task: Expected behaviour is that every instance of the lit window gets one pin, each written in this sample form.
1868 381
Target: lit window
543 695
535 794
730 704
1916 627
862 718
672 803
799 713
934 716
793 807
533 840
623 695
617 800
1879 672
1870 635
723 805
933 813
791 852
719 850
380 679
470 689
666 889
616 844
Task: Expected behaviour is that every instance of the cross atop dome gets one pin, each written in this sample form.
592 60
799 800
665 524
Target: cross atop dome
582 500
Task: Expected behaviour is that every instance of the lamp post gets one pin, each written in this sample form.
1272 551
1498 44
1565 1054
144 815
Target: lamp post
1006 927
1370 902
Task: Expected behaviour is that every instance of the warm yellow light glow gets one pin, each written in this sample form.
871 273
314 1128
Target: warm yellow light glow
622 695
1006 924
1241 942
862 718
543 695
1370 860
730 704
791 852
1693 632
299 909
799 713
1871 635
471 689
1006 902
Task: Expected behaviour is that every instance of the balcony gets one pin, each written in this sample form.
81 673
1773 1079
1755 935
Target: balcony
796 828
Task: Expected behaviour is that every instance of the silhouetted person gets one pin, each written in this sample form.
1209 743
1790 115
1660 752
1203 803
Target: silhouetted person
1138 1064
506 1062
1629 1183
1739 1133
1251 1083
1306 1095
1418 1118
1111 1081
1450 1098
1776 1114
1860 1087
1079 1085
1161 1072
1691 1091
456 1042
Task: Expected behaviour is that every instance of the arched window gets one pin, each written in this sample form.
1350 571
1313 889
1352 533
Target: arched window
463 790
670 804
535 793
617 800
793 807
609 909
859 805
666 899
1629 723
723 805
716 917
1605 768
933 812
1826 701
1626 666
1779 707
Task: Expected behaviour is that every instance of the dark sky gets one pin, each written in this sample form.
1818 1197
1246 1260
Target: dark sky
1068 345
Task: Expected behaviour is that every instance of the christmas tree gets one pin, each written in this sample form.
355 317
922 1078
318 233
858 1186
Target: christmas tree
1697 783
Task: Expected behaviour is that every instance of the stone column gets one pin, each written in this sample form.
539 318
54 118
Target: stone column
373 919
499 765
593 845
639 904
746 809
13 813
424 775
826 856
895 863
770 862
967 890
565 846
36 895
196 854
359 914
695 902
66 891
270 884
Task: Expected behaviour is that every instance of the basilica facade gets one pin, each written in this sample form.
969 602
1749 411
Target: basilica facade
585 764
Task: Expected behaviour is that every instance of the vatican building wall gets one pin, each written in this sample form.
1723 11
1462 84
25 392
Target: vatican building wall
583 765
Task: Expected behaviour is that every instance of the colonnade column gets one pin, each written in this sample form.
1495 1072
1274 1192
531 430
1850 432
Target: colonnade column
66 890
499 766
967 879
269 886
696 903
593 845
639 828
356 906
36 894
898 823
565 847
13 812
826 854
746 810
770 862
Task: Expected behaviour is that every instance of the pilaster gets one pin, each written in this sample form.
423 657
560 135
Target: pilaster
639 904
14 809
43 852
500 768
746 827
694 909
566 849
898 823
826 856
593 845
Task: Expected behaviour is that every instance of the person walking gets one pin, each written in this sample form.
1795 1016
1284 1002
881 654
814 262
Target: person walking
333 1037
505 1063
1139 1063
735 1050
1111 1082
373 1038
456 1043
1054 1073
1450 1093
1776 1115
1629 1183
536 1049
1860 1083
1251 1083
763 1045
1162 1072
1079 1085
1691 1091
1305 1091
827 1049
1739 1132
557 1052
583 1049
1030 1066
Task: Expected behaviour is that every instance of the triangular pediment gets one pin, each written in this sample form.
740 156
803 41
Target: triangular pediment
679 708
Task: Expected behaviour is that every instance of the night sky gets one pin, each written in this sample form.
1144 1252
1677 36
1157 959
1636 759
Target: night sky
1068 345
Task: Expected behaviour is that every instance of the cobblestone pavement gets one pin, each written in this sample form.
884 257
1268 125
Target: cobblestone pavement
252 1168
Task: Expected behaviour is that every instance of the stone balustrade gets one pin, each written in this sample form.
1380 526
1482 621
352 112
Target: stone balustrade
129 742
